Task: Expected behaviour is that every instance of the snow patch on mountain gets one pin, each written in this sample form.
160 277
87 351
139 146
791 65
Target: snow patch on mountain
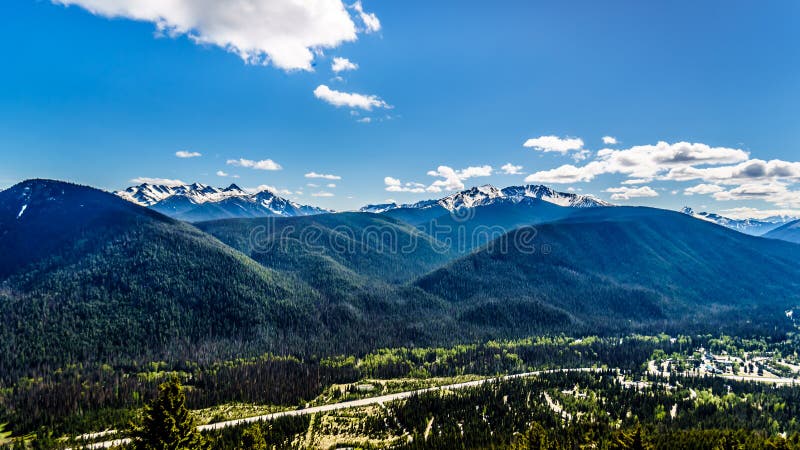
489 195
149 194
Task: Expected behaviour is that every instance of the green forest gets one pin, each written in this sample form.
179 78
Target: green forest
614 406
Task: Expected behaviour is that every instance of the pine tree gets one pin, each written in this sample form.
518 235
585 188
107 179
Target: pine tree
535 439
253 438
167 423
4 435
638 443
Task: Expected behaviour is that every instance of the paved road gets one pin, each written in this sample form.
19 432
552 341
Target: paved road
770 378
350 404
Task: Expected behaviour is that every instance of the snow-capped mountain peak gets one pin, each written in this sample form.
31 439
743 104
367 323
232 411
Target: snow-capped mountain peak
489 195
470 198
566 199
234 188
379 208
149 194
198 201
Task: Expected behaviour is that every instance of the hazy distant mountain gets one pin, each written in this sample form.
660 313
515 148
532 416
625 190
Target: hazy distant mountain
788 232
748 226
198 202
753 227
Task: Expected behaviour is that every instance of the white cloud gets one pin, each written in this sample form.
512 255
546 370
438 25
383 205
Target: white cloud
286 33
453 180
323 176
609 140
395 185
450 179
627 193
511 169
187 154
312 185
264 164
554 144
163 181
703 189
364 120
342 64
222 174
747 171
472 172
348 99
773 192
331 185
370 21
322 194
661 161
728 174
581 155
566 174
649 161
636 181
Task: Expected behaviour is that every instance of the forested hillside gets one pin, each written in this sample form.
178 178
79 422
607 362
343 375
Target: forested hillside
622 267
88 276
359 244
468 229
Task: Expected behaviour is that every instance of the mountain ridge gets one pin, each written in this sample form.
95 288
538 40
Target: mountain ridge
488 194
653 266
86 275
789 232
199 202
754 227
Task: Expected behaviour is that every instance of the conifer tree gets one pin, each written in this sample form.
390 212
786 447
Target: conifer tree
167 423
253 438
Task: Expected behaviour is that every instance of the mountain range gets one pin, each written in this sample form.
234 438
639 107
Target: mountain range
490 195
753 227
197 202
88 276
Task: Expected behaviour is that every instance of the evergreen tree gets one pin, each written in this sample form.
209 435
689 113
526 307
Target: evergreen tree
535 439
4 435
253 439
638 443
167 423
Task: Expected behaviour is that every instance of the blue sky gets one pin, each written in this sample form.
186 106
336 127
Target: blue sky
453 87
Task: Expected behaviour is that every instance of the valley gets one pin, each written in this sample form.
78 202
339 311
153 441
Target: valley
348 413
330 320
